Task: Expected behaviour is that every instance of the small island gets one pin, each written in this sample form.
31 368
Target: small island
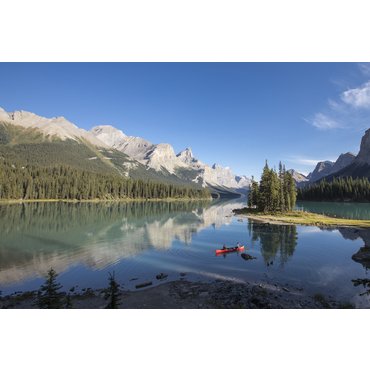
273 200
300 218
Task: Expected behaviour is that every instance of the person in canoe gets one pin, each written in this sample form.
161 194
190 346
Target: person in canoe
224 247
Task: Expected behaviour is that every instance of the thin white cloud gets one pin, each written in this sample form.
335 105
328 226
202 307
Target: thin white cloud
324 122
350 109
364 68
358 97
307 161
305 165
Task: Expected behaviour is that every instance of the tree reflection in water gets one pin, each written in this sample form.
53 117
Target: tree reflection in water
276 241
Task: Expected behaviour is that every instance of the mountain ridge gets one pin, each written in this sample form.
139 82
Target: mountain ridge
346 165
28 137
162 157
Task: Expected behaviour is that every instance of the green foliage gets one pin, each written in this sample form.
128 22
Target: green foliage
64 182
340 189
68 303
112 292
28 146
275 192
16 134
48 295
4 136
253 194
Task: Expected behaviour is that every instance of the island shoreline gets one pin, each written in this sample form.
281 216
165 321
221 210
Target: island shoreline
300 218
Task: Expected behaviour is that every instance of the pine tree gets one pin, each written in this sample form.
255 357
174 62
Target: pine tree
339 189
48 295
275 192
253 194
282 195
68 301
264 187
112 292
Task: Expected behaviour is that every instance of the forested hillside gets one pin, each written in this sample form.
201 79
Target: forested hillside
339 189
33 166
64 182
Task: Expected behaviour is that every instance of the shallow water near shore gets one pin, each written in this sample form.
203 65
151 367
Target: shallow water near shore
84 242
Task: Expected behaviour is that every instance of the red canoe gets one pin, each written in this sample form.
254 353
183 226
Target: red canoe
229 250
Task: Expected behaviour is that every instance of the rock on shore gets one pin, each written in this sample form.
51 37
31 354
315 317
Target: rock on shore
189 295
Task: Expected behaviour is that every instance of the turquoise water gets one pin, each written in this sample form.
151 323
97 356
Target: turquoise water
84 242
359 211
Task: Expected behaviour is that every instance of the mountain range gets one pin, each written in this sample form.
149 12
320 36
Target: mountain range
30 138
346 165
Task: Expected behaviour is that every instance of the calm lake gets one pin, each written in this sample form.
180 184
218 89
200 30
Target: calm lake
358 211
85 241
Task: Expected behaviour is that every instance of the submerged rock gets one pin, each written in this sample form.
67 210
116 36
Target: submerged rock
161 276
143 285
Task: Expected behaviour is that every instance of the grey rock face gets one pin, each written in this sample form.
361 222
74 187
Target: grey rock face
298 177
343 161
321 170
364 153
162 157
50 127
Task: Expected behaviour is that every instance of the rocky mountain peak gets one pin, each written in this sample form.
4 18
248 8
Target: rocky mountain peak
186 156
186 153
364 153
162 156
58 127
322 169
4 116
298 177
109 135
344 160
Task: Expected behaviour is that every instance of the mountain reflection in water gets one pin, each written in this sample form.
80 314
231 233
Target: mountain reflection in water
85 241
36 236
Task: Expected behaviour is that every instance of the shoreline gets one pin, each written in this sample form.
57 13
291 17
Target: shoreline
332 201
184 294
301 218
123 200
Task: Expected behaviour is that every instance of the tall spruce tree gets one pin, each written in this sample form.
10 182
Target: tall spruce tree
282 195
253 196
112 292
49 295
264 189
275 192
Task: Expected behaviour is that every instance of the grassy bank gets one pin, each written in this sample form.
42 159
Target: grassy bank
301 218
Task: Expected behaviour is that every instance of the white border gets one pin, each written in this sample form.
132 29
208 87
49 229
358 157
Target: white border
184 30
202 30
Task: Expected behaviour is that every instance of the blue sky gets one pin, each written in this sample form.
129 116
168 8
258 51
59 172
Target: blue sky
234 114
